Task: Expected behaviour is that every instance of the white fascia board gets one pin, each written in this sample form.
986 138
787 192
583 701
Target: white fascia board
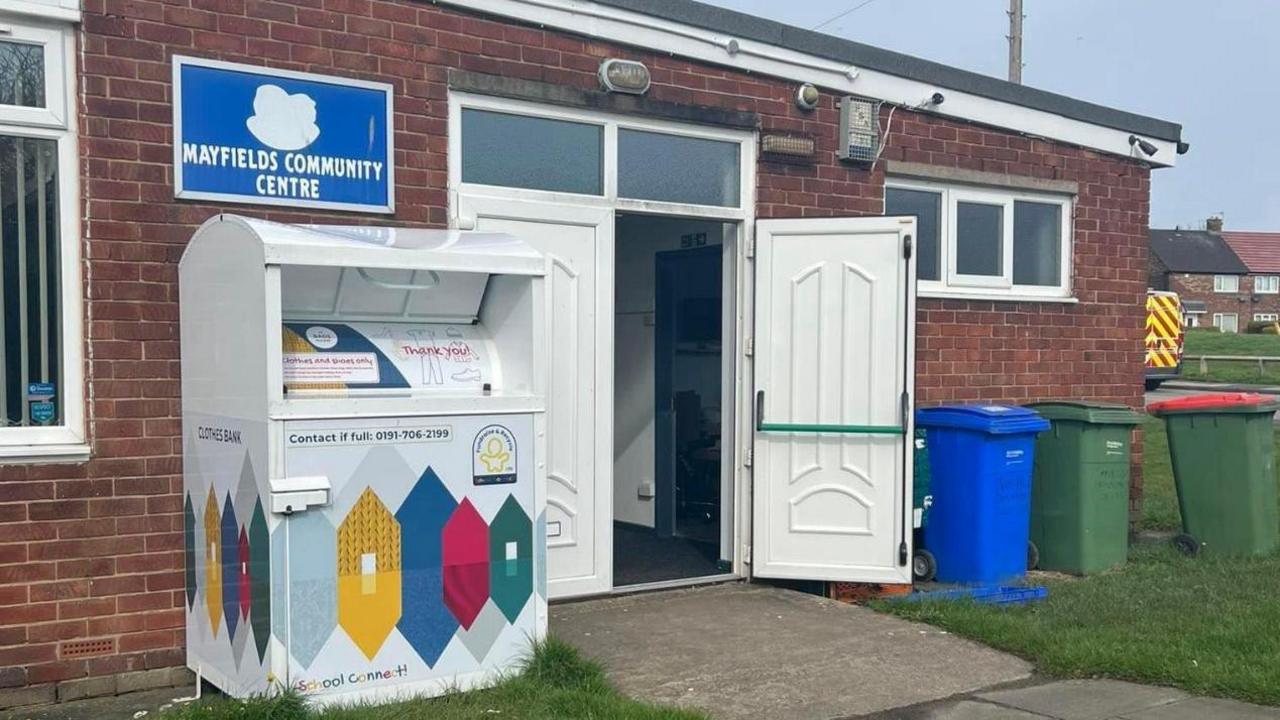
645 31
63 10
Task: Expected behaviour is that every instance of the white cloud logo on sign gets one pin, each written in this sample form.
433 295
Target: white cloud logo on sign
282 121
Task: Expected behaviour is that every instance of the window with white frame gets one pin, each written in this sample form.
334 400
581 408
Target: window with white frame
1226 322
599 157
41 395
1265 317
1226 283
1266 284
987 241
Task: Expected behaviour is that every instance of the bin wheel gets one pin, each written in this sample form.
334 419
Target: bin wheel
1187 544
924 566
1033 556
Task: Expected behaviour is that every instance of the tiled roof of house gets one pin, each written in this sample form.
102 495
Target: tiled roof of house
1195 251
1260 251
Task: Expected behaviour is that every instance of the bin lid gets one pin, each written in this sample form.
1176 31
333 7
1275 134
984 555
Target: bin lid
1216 403
1086 412
990 419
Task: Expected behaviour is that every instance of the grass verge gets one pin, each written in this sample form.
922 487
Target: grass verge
1212 342
1207 625
556 682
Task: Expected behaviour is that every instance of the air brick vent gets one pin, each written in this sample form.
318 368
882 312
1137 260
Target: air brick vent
85 648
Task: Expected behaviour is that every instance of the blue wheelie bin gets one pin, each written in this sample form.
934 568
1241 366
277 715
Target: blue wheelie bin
981 458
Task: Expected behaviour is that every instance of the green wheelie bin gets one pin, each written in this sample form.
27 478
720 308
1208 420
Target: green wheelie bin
1080 487
1224 469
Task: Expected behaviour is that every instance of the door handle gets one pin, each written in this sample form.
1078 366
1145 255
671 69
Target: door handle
820 428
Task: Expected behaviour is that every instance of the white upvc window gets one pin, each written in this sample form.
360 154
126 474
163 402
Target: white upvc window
987 242
1226 283
1226 322
1266 284
1265 317
42 414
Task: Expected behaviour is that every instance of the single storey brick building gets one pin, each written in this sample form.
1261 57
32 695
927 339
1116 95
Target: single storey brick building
1031 214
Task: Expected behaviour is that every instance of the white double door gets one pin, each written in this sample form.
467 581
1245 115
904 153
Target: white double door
833 332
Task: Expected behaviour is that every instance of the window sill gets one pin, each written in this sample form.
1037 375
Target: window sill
995 296
19 454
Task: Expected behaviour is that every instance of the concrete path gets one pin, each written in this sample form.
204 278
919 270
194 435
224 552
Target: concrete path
1083 700
754 651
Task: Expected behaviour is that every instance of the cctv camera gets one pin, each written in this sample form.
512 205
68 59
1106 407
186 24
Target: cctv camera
1146 147
937 98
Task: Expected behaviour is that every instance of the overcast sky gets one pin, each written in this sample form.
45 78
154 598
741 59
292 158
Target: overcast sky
1210 66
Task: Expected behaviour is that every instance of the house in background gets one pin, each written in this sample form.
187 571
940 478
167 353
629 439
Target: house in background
1260 253
1214 284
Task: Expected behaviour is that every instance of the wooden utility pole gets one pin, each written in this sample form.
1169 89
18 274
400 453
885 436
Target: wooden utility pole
1015 41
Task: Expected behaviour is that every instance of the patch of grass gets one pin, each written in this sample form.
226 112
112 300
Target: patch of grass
1212 342
1207 625
556 682
1159 497
1204 625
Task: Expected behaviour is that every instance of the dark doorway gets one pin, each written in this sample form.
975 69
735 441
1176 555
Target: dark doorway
685 319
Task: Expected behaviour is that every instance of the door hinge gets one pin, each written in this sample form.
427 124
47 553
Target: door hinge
746 554
749 346
748 456
906 247
751 247
902 555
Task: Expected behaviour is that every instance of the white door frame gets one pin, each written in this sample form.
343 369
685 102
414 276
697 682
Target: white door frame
743 215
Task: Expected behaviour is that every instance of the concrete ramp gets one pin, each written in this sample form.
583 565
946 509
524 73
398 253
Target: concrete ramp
755 651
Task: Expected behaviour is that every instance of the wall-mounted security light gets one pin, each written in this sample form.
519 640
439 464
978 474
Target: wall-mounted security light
1147 148
807 96
625 76
787 148
859 139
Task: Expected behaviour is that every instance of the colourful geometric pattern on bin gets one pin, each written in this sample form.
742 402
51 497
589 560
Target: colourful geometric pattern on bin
243 568
313 585
511 555
426 623
230 566
213 562
189 550
466 563
369 573
259 579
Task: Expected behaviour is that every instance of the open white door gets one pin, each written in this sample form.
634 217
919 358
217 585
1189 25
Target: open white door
834 353
579 241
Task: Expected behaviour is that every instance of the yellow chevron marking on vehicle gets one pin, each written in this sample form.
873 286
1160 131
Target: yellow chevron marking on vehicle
1164 327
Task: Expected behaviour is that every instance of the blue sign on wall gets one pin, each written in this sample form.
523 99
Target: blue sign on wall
273 137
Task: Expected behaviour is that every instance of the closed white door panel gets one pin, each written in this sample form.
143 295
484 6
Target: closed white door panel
579 482
833 372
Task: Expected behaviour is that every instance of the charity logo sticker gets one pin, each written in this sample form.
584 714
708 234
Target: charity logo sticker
493 456
322 337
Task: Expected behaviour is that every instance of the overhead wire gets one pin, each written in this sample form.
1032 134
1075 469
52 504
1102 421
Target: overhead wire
842 14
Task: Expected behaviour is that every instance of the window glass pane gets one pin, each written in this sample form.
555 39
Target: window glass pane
30 347
1037 243
979 239
531 152
21 74
652 166
927 209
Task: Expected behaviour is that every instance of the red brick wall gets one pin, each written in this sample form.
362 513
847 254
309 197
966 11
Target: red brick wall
96 550
1243 303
